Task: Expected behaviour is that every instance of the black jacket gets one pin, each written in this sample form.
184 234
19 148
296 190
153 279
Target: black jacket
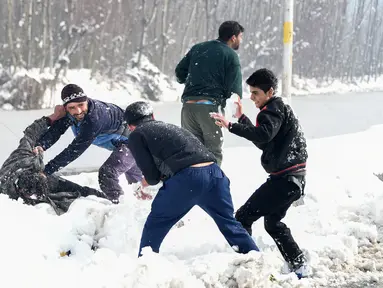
161 150
278 134
23 160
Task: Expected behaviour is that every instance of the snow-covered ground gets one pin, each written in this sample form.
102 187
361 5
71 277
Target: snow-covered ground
307 86
339 228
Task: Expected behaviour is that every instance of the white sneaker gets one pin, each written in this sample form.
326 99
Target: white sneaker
304 271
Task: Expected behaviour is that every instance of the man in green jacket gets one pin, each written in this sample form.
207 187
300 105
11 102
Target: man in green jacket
211 73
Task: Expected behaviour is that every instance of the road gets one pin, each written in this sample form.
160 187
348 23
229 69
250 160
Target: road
320 116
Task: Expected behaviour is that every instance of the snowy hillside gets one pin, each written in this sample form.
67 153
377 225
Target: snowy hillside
339 228
143 82
136 82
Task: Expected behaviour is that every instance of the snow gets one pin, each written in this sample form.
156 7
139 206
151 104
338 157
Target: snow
123 93
339 228
311 86
136 83
307 86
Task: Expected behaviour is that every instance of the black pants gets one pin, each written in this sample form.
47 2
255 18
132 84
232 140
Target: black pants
63 192
58 184
272 200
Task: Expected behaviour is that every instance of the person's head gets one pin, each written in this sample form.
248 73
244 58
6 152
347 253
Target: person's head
137 113
263 85
33 185
230 32
75 101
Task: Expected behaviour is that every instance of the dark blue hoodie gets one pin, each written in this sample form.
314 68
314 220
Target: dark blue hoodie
102 126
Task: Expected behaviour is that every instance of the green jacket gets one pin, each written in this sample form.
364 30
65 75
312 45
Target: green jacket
210 70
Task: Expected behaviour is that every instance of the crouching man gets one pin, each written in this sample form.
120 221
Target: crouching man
97 123
190 177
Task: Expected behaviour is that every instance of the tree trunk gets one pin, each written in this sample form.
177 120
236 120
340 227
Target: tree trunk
45 48
50 35
145 24
10 33
29 36
185 35
164 35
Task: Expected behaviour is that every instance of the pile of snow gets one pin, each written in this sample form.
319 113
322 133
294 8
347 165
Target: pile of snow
311 86
338 227
24 90
123 92
145 81
307 86
151 82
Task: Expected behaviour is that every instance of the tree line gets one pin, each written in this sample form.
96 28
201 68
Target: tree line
341 39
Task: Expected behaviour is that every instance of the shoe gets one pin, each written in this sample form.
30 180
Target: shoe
299 266
303 271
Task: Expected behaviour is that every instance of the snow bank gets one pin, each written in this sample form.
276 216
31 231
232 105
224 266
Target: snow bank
338 227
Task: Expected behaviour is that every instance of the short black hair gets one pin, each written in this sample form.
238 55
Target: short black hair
138 112
30 183
263 79
229 28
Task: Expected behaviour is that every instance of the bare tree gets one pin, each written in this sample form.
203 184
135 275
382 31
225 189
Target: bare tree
145 22
188 26
164 34
44 4
10 32
29 45
332 39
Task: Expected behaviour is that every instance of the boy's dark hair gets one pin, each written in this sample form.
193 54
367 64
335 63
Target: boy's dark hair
229 28
263 79
138 112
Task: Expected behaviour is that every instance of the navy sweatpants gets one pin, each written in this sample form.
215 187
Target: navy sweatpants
207 187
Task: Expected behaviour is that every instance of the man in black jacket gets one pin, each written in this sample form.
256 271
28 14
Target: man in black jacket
211 72
190 177
278 134
21 175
